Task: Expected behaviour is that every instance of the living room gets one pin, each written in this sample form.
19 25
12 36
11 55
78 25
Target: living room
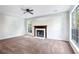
35 29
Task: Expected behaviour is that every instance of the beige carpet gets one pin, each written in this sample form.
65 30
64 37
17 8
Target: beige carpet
30 45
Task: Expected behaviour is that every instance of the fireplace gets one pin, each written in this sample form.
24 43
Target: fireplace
40 31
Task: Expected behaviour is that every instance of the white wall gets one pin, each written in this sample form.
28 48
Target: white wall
57 25
11 26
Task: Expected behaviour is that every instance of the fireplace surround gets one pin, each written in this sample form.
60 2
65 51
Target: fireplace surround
40 31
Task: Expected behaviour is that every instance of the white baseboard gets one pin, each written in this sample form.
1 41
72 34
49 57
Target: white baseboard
11 36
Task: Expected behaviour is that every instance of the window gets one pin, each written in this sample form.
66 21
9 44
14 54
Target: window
29 26
75 26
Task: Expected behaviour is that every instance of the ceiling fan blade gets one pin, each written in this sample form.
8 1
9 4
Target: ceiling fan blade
30 12
25 12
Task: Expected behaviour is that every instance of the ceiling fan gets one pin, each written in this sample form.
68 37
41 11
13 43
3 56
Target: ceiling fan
27 10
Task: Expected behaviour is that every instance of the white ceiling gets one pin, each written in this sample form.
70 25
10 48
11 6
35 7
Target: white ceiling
39 10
